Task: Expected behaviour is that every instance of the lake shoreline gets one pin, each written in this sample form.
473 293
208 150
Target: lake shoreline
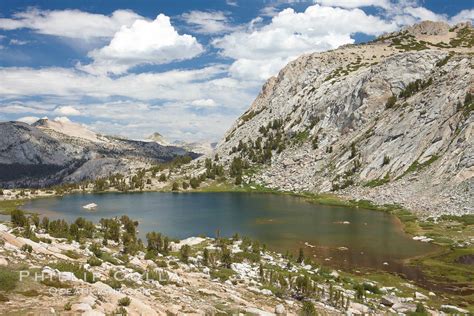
409 223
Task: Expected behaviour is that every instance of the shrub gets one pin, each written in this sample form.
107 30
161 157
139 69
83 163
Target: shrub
113 283
107 257
185 185
175 186
95 248
161 264
226 257
420 309
8 279
300 256
150 255
386 160
26 248
374 289
238 180
359 292
125 301
120 311
94 262
443 61
468 99
315 142
205 257
67 306
18 218
194 182
353 151
72 254
184 253
391 102
222 274
308 309
55 282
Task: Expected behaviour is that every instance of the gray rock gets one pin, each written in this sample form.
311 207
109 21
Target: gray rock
313 97
45 156
389 300
280 310
81 307
404 307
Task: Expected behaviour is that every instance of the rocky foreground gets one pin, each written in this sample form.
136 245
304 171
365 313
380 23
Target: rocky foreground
42 274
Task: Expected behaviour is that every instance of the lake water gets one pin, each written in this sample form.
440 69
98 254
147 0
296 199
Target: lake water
337 236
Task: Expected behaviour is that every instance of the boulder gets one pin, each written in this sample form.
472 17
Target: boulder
450 308
359 308
257 312
404 307
81 307
420 296
280 310
389 300
3 262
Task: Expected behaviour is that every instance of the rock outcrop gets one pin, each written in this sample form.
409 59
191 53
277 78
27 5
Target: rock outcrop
390 121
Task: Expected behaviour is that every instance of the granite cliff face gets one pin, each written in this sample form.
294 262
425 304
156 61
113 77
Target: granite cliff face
390 121
54 152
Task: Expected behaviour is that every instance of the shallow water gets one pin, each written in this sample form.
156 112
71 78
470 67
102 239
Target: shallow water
339 236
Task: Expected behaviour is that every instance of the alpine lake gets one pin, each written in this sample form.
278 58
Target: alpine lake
341 237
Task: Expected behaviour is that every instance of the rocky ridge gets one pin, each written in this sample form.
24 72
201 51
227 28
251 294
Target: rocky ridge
53 152
205 148
390 121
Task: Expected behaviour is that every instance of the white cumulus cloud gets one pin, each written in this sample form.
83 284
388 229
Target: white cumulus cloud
144 42
67 110
263 51
463 16
70 23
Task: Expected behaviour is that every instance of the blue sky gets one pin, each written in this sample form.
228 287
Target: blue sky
185 69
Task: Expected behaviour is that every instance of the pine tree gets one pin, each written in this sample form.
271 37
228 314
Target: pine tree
300 256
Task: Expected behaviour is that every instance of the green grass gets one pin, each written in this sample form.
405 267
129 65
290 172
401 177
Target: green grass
416 166
249 256
444 268
107 257
56 283
301 137
223 274
8 279
72 254
7 206
377 182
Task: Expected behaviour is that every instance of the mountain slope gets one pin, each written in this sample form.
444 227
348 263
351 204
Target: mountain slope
51 153
205 148
390 120
65 126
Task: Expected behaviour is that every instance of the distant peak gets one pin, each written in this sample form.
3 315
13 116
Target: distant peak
67 127
157 137
428 28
